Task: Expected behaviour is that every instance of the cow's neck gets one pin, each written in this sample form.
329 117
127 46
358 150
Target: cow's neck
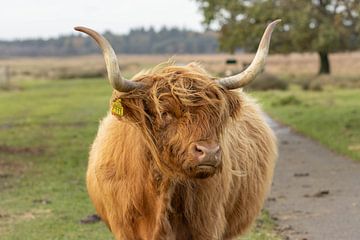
170 218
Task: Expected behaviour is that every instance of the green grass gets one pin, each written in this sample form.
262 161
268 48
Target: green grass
47 128
331 116
45 133
263 230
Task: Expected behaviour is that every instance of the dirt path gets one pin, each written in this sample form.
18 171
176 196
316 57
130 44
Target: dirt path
316 193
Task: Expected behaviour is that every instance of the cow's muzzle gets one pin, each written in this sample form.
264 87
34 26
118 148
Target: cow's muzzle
206 158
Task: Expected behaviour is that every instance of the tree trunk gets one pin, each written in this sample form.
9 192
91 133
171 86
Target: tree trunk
324 63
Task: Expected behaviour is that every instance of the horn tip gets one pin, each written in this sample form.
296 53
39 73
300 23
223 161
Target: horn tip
275 22
80 28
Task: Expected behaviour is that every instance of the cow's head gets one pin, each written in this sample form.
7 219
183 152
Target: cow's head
181 110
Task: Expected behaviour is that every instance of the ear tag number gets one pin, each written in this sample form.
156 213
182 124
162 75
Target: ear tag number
117 108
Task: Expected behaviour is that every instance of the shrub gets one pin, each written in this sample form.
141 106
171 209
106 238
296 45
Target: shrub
287 100
267 81
314 84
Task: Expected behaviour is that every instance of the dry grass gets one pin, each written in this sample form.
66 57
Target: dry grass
291 66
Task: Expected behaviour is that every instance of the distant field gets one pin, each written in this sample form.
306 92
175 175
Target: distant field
344 65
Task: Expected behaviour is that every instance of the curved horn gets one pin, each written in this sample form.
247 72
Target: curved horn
112 66
256 66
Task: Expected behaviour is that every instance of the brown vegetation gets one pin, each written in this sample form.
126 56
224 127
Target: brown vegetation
346 66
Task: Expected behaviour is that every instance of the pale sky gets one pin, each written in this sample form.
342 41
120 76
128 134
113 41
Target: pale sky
21 19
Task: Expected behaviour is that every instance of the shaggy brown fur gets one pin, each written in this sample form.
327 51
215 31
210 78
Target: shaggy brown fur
141 176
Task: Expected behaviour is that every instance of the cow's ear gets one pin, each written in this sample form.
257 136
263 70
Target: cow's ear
131 109
234 104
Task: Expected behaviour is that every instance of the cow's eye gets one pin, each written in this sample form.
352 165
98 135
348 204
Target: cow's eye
166 117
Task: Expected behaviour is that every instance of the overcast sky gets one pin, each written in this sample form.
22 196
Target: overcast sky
21 19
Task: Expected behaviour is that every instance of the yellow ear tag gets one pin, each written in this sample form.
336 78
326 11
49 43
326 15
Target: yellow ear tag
117 108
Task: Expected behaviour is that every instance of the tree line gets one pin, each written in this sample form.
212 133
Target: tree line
137 41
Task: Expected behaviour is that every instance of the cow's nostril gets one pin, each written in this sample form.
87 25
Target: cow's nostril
199 149
198 152
203 152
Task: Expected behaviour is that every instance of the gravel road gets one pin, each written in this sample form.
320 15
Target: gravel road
315 193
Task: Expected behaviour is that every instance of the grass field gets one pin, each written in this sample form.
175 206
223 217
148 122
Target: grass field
46 129
331 116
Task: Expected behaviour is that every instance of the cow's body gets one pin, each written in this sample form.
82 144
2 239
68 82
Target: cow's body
124 185
182 155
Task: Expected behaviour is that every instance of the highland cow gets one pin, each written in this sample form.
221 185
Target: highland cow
181 155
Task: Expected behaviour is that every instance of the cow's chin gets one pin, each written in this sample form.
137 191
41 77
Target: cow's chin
201 171
204 171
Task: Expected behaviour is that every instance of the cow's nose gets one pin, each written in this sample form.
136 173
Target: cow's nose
206 154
